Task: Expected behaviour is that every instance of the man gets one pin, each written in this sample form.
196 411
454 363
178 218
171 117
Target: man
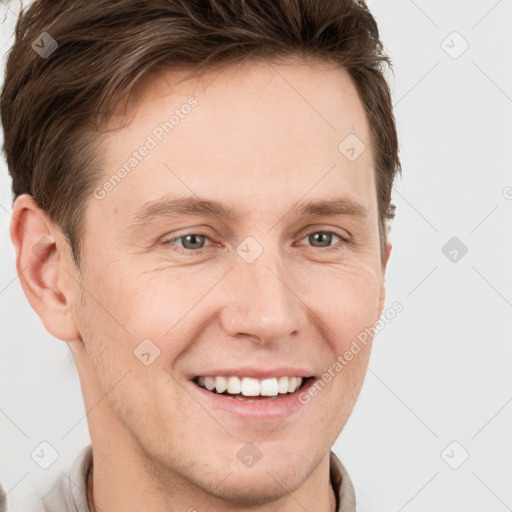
201 205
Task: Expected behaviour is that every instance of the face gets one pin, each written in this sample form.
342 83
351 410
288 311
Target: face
273 287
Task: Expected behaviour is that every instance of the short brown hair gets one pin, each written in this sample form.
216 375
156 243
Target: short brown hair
52 108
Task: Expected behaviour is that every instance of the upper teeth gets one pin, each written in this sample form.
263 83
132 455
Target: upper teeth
251 387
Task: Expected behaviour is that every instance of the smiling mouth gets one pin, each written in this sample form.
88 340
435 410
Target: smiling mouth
252 390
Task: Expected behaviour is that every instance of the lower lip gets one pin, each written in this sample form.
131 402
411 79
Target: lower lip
260 410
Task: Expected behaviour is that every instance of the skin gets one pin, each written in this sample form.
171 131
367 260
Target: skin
255 144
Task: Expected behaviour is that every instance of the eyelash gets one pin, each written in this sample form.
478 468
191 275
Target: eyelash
332 248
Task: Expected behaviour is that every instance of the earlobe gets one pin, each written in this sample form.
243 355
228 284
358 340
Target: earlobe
40 266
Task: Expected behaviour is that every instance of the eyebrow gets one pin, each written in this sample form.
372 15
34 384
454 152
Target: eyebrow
167 207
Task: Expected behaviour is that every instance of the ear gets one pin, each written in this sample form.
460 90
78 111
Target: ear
382 296
45 275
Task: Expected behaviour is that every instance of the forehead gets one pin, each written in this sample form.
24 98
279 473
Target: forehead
256 129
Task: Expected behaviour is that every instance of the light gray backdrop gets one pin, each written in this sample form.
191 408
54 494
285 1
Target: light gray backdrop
432 427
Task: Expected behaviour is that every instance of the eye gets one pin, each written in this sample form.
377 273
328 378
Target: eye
324 239
190 241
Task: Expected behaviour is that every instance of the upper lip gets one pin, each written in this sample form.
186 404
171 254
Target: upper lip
256 373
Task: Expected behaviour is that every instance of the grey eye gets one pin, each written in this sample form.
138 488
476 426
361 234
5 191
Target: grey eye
323 238
189 241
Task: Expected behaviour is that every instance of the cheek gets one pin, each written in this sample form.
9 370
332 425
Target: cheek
345 295
159 302
164 306
345 303
142 302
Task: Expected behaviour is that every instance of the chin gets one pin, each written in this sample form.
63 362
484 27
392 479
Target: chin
255 487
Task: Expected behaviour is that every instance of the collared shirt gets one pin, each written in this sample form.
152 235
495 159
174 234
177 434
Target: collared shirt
70 492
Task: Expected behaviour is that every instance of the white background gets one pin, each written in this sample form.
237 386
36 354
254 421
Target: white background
440 371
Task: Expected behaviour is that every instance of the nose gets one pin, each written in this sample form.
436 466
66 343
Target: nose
260 302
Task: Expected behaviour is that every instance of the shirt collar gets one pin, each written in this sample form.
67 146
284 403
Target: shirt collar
342 485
